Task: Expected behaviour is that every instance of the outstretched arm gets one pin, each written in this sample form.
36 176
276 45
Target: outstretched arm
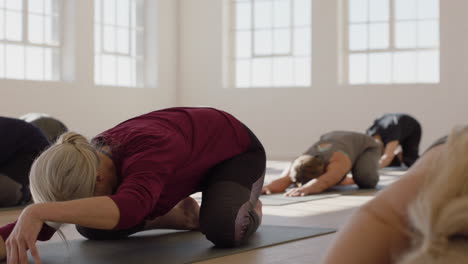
279 185
389 153
378 230
95 212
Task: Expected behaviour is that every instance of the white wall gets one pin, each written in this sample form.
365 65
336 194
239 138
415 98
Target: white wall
80 104
287 121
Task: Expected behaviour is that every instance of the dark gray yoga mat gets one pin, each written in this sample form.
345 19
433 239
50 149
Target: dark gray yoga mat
280 199
165 246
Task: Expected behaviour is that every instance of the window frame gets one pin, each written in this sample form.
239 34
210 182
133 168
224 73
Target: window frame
56 71
346 52
232 44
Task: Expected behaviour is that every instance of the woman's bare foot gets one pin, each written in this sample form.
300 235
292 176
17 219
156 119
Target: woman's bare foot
184 216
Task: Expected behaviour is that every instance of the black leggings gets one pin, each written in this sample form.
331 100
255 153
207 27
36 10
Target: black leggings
230 193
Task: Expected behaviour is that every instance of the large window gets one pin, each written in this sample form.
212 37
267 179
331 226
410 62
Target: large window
30 39
119 42
392 41
271 43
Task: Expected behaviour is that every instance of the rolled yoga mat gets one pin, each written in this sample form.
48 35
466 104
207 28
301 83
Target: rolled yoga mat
165 246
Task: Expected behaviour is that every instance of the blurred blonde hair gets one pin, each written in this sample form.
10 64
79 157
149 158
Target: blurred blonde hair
65 171
439 215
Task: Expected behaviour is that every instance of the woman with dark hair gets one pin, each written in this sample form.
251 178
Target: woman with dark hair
328 161
20 144
139 174
393 130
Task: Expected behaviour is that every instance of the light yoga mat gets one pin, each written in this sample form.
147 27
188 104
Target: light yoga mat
165 246
280 199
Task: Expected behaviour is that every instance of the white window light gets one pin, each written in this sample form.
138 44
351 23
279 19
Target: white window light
392 41
272 43
30 39
119 43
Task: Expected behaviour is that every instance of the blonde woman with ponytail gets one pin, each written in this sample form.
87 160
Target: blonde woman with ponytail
139 175
422 218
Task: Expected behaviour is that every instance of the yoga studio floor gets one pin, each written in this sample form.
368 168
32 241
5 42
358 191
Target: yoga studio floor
328 211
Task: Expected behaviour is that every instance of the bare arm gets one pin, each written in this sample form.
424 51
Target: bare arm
338 166
389 153
96 212
377 231
279 185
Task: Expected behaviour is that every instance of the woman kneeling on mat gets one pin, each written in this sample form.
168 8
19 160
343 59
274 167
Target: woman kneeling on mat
327 162
138 176
420 219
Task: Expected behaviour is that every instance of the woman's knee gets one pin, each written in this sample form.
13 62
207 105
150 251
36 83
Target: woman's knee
366 180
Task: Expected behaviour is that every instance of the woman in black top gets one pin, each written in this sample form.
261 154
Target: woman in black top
20 143
393 130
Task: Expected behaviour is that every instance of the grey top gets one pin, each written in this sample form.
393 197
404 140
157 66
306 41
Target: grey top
350 143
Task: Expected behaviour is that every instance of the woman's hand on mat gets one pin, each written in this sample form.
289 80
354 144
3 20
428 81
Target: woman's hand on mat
24 237
300 191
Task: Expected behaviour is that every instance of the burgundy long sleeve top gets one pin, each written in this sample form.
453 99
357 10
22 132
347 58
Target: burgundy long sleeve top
162 157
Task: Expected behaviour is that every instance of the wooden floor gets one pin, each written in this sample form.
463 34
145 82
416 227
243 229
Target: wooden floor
330 213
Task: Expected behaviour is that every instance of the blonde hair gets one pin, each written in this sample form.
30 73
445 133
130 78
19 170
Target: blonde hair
65 171
439 215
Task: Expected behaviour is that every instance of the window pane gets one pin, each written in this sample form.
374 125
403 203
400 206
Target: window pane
36 29
261 72
262 15
14 62
14 25
109 39
109 7
51 30
379 67
428 33
357 68
124 71
302 72
358 11
282 13
2 3
14 4
123 13
50 7
358 37
109 76
378 36
243 44
302 12
263 45
243 16
123 40
302 41
2 28
379 10
404 67
283 71
405 9
282 41
36 6
140 43
34 63
405 34
428 66
428 9
243 73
